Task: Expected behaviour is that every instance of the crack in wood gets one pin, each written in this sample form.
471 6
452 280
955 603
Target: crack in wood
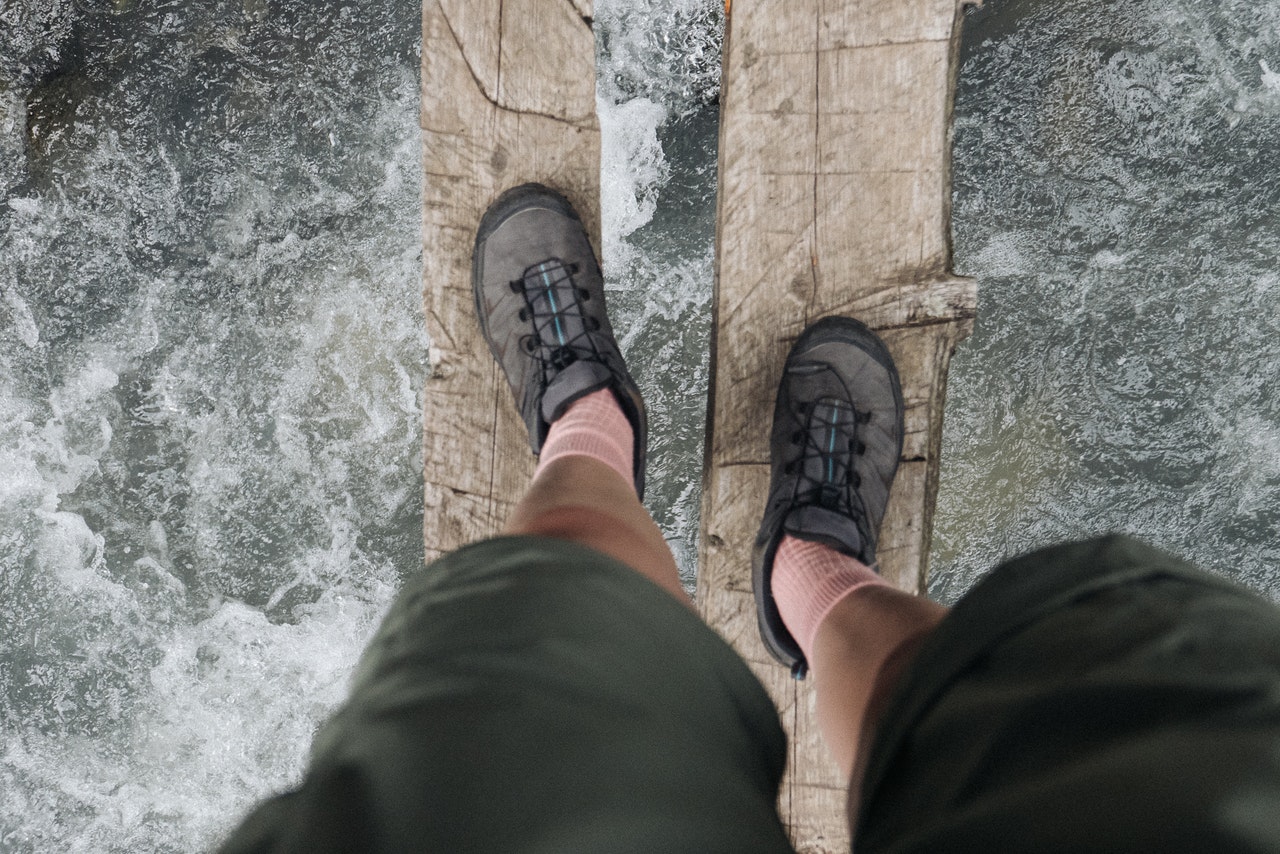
583 9
444 16
465 493
836 48
495 100
493 451
817 152
439 324
581 13
502 13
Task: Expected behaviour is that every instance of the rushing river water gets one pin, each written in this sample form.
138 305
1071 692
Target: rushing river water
209 398
211 346
210 373
1116 188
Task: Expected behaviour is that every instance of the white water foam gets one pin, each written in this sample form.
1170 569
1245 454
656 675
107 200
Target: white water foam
210 364
210 369
658 81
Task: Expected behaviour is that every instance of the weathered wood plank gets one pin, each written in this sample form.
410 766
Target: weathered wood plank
834 199
508 96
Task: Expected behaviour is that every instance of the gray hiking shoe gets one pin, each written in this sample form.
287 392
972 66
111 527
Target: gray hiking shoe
837 437
540 300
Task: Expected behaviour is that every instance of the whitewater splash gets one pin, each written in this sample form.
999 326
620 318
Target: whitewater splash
210 408
210 378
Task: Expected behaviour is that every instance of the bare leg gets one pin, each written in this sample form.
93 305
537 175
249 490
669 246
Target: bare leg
861 649
541 303
580 499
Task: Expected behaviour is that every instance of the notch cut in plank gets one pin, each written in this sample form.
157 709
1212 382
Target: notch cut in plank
834 199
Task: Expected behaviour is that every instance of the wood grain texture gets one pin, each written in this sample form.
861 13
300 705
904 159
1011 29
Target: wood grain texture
834 199
508 96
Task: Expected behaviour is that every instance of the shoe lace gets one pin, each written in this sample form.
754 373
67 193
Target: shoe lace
827 431
553 302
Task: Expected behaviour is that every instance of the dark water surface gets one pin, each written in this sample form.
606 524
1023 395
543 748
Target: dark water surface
1117 178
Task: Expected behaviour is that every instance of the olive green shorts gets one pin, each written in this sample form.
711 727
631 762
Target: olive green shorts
1097 696
532 695
528 695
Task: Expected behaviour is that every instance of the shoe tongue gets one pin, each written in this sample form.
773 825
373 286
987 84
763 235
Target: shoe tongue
577 380
830 426
817 523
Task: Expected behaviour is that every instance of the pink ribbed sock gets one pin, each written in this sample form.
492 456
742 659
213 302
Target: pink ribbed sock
593 426
809 579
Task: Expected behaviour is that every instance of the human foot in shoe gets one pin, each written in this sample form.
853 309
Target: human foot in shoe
836 440
540 302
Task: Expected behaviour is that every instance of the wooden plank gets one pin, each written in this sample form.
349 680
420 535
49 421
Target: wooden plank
508 96
834 199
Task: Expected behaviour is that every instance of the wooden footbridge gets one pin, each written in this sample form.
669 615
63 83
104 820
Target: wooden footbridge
834 198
